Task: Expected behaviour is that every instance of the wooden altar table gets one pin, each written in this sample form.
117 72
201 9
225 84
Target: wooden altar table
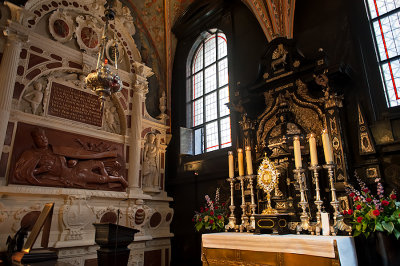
293 250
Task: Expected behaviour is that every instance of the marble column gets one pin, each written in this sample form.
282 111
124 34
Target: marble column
139 91
8 72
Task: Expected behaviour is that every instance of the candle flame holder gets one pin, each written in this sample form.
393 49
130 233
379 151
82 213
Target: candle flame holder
232 220
304 217
338 219
318 202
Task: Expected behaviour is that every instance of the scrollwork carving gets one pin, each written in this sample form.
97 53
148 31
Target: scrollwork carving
61 26
19 214
76 214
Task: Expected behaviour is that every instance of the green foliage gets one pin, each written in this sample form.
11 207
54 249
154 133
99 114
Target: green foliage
372 213
212 217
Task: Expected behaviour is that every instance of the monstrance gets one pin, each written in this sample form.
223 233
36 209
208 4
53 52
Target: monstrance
267 177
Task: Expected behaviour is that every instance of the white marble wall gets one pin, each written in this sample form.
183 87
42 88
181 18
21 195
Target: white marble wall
72 233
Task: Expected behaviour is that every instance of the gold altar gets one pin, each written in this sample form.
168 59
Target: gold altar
293 250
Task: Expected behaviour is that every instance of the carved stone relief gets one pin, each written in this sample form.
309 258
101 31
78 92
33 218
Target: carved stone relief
33 98
139 216
111 120
100 212
68 160
151 167
88 33
3 213
61 26
76 214
19 214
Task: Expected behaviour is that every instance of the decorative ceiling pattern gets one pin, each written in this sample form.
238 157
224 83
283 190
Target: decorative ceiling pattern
275 16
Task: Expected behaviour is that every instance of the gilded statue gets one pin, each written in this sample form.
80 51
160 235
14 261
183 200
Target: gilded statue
63 166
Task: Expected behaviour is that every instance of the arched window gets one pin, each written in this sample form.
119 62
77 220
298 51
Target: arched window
384 16
208 93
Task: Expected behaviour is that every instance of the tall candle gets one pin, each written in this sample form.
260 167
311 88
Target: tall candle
325 223
326 142
240 162
249 164
313 150
231 165
297 152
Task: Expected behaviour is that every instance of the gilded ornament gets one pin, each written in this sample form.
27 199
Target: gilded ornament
267 177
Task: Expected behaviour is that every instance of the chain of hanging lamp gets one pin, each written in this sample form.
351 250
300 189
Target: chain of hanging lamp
103 82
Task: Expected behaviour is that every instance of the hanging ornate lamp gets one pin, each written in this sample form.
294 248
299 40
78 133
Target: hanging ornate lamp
103 82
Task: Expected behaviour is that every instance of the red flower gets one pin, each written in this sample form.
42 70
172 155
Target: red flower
219 217
376 212
366 190
344 212
359 219
358 207
393 196
356 198
206 209
201 209
216 207
399 215
350 212
385 202
352 194
368 200
199 220
211 221
193 219
223 203
211 212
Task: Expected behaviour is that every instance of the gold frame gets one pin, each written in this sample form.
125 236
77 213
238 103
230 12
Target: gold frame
43 221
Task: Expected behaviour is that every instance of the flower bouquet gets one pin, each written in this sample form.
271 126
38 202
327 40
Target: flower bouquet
212 216
373 213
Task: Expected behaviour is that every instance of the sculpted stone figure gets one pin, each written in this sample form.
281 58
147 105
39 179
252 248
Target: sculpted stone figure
110 118
64 166
35 96
150 161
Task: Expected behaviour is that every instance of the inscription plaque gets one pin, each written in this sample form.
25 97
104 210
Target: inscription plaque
73 104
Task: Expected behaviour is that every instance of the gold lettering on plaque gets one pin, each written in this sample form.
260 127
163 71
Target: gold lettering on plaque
73 104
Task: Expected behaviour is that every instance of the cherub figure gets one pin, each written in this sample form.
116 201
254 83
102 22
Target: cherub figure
35 97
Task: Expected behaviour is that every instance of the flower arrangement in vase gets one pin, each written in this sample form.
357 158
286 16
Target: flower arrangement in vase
373 213
213 216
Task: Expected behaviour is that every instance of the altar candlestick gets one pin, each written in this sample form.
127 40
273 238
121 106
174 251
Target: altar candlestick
313 150
231 165
240 162
248 161
297 152
326 142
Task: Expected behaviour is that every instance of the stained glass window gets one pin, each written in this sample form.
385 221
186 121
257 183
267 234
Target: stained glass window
384 16
208 93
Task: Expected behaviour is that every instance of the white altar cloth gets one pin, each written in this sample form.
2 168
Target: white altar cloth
322 246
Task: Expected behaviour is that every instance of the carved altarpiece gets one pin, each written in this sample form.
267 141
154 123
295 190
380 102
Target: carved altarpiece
298 100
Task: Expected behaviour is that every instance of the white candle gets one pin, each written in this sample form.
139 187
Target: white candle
297 152
325 223
231 165
326 142
313 150
240 162
249 164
